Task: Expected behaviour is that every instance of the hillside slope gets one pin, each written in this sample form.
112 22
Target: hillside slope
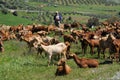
77 2
26 4
9 19
41 11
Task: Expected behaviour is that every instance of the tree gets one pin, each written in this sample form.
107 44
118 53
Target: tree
4 11
113 19
119 13
93 22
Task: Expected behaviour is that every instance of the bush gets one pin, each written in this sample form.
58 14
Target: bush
119 13
69 19
15 13
93 22
113 19
4 11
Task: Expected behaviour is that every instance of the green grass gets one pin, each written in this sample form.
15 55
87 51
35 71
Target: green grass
99 10
9 19
83 8
15 65
96 9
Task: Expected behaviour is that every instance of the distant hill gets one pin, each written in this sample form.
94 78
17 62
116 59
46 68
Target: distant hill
115 1
26 4
41 11
77 2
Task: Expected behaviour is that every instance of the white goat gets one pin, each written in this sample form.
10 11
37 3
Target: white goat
58 49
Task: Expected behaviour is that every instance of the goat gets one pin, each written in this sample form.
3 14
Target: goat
46 41
59 48
39 28
68 49
42 33
75 25
51 28
4 35
67 26
16 28
1 46
84 63
116 43
84 44
69 38
31 40
59 31
93 43
50 40
62 68
106 43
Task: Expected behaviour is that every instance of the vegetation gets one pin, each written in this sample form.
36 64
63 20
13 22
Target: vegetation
17 64
74 2
41 11
92 22
9 19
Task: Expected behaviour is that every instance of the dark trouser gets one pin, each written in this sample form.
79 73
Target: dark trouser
57 23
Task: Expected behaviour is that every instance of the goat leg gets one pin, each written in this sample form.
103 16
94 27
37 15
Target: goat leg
92 50
49 61
103 52
99 51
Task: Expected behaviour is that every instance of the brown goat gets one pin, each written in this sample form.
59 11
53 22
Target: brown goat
1 46
83 42
16 28
62 68
75 25
51 28
69 38
116 43
39 28
4 35
68 49
84 63
93 43
106 43
42 33
67 26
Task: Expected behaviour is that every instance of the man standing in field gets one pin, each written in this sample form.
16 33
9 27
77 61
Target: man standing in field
57 19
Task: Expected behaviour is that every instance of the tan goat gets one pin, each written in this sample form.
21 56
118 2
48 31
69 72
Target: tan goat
84 62
62 68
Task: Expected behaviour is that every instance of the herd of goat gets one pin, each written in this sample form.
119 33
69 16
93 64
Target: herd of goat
105 36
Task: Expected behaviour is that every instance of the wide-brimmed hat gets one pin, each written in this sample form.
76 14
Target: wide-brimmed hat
56 12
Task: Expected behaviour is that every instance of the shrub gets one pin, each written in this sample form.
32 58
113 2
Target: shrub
15 13
93 22
4 11
119 14
113 19
69 19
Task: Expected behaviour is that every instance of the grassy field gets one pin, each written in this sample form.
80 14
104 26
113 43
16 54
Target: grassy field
9 19
17 64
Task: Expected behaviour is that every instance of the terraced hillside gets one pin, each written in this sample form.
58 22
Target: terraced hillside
23 4
74 2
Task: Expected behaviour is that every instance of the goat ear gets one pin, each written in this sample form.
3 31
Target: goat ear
64 62
71 55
